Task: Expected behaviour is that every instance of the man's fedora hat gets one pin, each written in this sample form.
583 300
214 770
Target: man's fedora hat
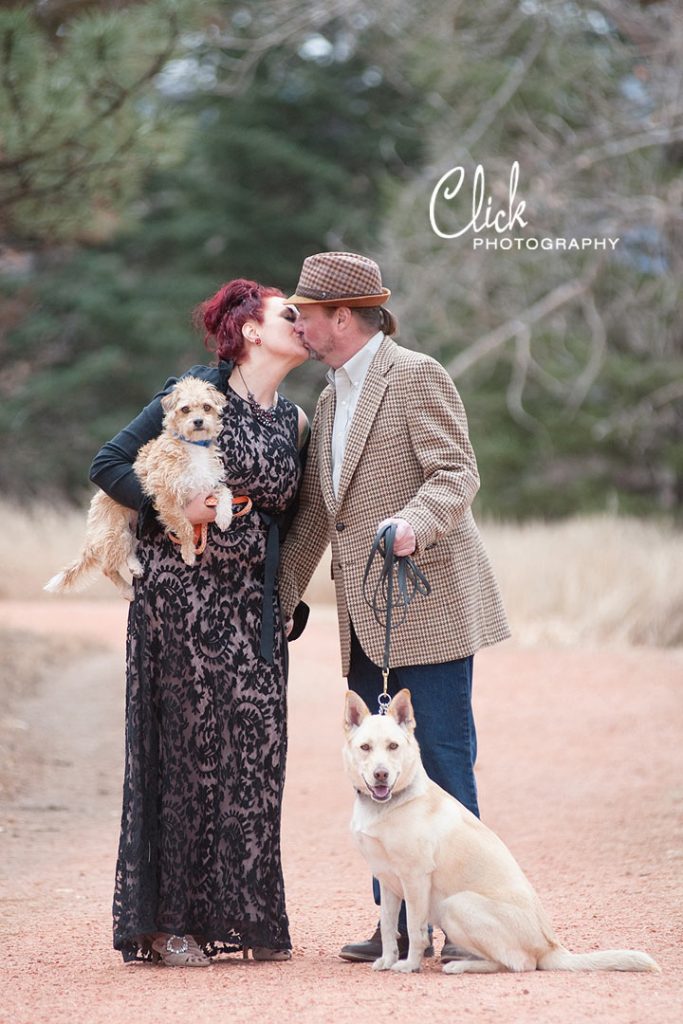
339 279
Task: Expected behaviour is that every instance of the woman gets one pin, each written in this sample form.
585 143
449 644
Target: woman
198 870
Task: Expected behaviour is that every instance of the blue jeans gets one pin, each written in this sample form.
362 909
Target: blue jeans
442 701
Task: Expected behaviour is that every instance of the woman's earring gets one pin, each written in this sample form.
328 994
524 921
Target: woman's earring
257 340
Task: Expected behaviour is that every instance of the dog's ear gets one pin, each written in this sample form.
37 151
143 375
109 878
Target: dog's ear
169 401
355 711
219 400
401 708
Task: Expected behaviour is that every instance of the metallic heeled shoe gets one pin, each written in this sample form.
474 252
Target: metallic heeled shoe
179 951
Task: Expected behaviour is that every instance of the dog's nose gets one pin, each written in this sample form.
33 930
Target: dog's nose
198 423
380 775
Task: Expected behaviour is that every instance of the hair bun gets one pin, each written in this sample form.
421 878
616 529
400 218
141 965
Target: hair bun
224 314
232 294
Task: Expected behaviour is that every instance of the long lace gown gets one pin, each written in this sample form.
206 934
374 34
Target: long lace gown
206 733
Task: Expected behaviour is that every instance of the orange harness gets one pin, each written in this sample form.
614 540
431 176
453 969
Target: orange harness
201 530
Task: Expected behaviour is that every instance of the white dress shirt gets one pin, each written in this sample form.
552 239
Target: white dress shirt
348 382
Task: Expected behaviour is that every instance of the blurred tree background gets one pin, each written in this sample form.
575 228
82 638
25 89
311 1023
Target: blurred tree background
150 151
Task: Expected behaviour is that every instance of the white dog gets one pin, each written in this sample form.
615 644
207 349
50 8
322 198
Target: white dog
174 467
428 849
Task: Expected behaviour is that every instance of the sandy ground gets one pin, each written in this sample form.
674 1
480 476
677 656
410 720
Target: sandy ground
580 772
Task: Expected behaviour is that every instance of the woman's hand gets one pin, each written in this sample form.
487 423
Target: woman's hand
201 509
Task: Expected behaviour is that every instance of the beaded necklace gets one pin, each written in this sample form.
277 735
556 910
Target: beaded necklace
263 415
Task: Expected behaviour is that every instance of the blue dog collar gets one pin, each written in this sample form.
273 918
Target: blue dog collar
188 440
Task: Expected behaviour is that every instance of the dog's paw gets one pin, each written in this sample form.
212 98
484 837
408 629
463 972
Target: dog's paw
135 567
384 963
224 519
224 512
405 967
188 554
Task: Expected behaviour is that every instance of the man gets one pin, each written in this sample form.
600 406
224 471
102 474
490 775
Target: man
389 441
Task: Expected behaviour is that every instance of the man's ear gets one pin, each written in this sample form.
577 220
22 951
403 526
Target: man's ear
355 712
401 708
343 316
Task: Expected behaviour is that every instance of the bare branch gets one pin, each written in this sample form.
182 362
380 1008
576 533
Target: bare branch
589 374
560 296
515 389
626 421
491 109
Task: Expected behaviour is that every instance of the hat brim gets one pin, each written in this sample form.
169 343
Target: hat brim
345 300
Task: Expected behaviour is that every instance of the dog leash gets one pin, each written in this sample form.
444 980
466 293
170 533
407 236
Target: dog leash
399 581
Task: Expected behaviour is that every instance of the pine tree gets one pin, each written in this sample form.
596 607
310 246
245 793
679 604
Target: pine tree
80 122
304 158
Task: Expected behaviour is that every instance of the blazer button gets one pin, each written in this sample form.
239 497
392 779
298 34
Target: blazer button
340 527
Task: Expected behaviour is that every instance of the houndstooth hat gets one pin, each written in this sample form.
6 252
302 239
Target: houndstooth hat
340 279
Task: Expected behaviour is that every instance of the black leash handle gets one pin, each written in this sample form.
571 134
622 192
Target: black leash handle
399 581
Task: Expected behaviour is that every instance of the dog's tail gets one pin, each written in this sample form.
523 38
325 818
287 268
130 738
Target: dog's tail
75 577
560 959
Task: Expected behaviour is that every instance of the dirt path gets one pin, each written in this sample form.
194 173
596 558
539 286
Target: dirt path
580 772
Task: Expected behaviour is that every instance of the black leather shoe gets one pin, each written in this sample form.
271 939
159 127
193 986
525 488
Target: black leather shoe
450 952
371 949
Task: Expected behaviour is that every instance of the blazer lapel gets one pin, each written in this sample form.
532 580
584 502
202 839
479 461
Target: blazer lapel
368 403
327 406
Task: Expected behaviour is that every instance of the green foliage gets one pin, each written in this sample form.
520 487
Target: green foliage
265 149
76 134
299 162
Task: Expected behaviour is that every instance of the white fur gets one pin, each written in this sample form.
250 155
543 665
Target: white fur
451 870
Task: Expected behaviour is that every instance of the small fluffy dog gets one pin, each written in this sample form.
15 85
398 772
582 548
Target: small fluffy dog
428 849
173 467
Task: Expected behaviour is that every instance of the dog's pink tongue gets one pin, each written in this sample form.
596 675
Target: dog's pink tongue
381 792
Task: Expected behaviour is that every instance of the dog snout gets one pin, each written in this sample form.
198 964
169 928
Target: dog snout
199 422
380 775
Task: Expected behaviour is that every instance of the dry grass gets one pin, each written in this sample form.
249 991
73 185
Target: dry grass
37 542
591 580
586 580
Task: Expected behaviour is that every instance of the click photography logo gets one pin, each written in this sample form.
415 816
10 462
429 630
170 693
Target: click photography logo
490 226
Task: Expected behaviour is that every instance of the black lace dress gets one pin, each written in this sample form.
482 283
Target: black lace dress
206 737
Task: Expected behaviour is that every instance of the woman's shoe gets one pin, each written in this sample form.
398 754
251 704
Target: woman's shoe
263 953
179 951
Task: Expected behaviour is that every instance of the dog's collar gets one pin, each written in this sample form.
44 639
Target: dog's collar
188 440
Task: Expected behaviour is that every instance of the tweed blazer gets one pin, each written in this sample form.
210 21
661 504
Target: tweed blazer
407 454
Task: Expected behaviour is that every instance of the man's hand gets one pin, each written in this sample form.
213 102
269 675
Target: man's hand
405 540
201 509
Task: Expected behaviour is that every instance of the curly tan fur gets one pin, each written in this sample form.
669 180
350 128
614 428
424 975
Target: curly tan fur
171 471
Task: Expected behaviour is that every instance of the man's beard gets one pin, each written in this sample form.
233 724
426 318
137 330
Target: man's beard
312 354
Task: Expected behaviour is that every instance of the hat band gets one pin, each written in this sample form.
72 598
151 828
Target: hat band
312 293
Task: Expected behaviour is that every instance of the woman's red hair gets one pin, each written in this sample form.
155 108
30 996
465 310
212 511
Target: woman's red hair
225 314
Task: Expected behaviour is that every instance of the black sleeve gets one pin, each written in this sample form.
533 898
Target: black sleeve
112 467
299 620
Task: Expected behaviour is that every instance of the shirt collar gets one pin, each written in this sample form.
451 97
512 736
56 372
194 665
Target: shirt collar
356 368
